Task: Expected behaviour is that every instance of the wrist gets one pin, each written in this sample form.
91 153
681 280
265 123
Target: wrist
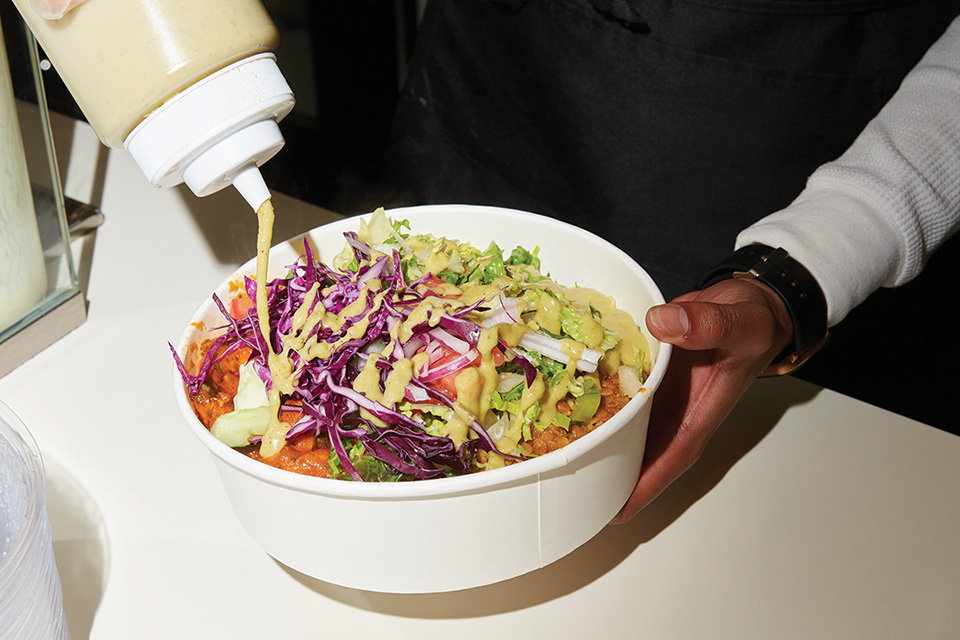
798 300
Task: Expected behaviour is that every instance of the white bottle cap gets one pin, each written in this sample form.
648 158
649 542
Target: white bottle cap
217 131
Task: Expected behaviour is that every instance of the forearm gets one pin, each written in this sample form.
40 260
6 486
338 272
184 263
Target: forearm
873 217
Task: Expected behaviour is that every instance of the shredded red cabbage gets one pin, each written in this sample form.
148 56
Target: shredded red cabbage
323 388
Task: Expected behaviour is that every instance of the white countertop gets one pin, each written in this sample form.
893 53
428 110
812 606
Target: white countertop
811 515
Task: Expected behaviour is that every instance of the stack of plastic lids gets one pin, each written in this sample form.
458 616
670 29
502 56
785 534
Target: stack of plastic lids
30 594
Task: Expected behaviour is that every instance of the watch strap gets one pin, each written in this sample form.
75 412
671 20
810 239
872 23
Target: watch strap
796 286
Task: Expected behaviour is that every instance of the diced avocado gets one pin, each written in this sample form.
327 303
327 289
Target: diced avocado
251 411
587 404
235 429
251 392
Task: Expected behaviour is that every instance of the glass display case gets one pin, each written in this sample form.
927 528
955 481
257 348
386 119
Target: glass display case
40 297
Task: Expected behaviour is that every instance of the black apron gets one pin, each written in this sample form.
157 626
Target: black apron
664 126
667 127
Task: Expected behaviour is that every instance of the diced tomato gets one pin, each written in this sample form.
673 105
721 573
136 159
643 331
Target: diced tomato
239 307
447 384
498 357
433 281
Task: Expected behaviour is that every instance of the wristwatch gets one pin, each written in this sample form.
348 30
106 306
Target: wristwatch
798 289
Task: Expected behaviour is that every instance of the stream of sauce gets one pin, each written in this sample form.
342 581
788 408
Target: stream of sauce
280 370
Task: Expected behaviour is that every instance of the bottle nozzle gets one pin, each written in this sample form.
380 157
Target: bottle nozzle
218 131
251 186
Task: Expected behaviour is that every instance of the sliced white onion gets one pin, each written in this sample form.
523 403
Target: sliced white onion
508 381
411 346
499 428
630 384
553 349
448 340
506 311
414 393
450 367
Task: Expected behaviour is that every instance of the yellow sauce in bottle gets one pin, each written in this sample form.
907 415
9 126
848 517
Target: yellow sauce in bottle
121 59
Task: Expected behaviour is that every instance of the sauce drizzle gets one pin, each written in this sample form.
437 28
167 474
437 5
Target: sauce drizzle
274 437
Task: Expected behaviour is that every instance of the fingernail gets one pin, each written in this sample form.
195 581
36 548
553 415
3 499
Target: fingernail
671 319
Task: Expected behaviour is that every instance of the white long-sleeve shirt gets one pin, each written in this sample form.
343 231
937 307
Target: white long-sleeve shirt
874 216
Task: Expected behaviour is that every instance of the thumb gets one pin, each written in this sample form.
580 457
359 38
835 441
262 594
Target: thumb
698 326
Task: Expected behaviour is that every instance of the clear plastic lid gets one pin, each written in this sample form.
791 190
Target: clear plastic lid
31 597
218 131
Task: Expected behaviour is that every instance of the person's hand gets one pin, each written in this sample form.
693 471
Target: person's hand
726 334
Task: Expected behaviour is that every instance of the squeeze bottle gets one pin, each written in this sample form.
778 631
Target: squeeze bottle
190 88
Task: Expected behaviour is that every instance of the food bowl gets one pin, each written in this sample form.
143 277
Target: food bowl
451 533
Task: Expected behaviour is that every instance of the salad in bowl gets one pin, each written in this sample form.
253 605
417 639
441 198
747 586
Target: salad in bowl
458 382
413 356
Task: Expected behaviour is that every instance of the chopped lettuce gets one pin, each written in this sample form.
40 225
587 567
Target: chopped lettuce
368 468
521 256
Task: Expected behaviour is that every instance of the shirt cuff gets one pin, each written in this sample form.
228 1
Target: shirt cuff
845 245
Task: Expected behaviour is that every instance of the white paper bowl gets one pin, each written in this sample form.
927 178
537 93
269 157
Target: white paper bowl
450 533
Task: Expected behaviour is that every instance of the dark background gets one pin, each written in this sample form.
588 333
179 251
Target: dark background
345 60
